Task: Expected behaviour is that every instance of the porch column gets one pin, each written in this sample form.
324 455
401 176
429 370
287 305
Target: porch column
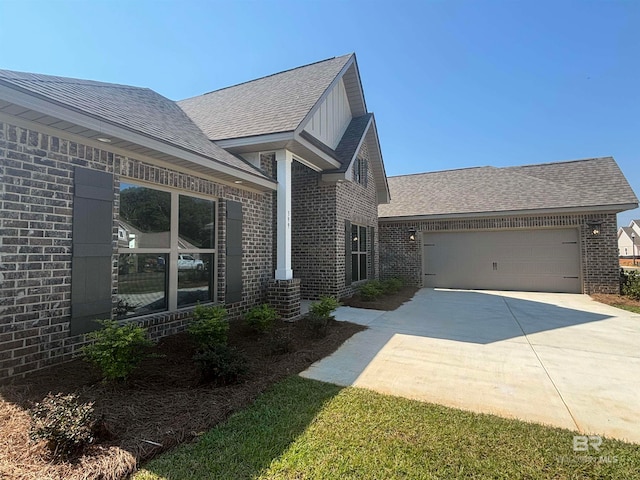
284 159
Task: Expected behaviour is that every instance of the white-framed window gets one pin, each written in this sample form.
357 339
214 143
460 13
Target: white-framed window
168 260
359 256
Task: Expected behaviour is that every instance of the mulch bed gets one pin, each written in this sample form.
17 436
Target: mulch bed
386 302
615 300
161 405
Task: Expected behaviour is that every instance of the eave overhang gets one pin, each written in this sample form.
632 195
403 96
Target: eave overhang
586 210
39 110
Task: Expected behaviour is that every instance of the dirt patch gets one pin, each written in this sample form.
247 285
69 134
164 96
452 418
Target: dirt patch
386 302
628 262
162 404
615 300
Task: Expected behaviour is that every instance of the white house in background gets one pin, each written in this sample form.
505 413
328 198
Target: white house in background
626 241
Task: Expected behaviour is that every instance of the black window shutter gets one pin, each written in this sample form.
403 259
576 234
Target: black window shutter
365 173
233 268
372 251
91 267
347 252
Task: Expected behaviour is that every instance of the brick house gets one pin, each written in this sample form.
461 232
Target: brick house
120 203
547 227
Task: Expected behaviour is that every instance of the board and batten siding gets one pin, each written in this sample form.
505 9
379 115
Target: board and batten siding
332 117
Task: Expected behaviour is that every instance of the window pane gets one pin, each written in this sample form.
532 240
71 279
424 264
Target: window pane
145 217
363 239
363 266
354 238
355 269
195 278
142 284
197 221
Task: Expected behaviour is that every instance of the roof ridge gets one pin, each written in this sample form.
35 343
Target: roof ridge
559 162
264 76
45 78
441 171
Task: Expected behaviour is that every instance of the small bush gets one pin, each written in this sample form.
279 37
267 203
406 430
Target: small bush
221 364
117 350
392 286
630 284
318 324
209 326
261 318
320 315
64 422
280 342
371 290
324 307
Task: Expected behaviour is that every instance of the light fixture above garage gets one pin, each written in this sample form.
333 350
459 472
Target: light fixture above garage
594 226
412 235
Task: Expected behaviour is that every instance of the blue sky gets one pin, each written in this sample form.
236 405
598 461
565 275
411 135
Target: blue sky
453 84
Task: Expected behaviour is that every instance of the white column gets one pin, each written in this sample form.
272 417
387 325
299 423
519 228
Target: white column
284 159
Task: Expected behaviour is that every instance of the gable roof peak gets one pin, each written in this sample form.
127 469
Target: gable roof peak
272 104
289 70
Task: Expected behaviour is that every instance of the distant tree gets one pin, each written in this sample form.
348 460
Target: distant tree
146 209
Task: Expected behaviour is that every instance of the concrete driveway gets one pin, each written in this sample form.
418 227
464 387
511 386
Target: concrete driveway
557 359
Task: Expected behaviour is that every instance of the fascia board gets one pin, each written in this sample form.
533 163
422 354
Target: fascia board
511 213
231 143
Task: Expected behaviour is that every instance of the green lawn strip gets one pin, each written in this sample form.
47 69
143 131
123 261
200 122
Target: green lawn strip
308 429
630 308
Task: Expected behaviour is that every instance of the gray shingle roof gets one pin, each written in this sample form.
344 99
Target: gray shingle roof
575 184
137 109
274 104
627 230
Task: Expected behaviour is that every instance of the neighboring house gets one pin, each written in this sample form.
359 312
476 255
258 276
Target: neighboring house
629 240
107 187
548 227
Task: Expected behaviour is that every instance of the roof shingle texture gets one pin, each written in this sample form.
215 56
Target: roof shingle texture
274 104
138 109
581 183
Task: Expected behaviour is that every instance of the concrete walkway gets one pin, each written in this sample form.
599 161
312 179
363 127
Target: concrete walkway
557 359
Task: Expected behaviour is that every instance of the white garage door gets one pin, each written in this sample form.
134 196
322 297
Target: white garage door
527 260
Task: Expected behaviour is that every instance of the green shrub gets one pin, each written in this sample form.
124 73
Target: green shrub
392 285
64 422
209 326
371 290
261 318
280 342
324 307
117 349
221 364
318 324
320 315
630 284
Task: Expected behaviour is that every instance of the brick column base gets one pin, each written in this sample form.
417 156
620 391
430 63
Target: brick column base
284 296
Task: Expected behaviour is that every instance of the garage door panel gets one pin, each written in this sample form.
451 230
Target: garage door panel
528 260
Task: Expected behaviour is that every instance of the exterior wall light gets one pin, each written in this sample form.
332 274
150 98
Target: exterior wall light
594 227
412 235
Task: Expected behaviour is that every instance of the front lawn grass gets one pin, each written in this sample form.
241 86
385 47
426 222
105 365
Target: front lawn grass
307 429
630 308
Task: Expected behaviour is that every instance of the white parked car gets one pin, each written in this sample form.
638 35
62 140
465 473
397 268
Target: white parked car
188 262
